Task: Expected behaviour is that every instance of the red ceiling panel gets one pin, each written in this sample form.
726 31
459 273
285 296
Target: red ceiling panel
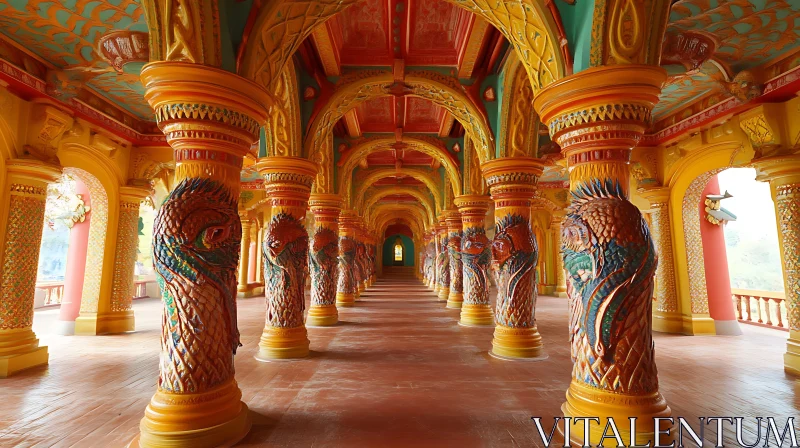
437 31
377 115
365 37
422 115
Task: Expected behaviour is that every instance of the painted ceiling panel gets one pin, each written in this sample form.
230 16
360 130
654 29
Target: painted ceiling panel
437 31
65 34
364 28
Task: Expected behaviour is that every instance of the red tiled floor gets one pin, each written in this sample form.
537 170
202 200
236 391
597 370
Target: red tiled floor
398 371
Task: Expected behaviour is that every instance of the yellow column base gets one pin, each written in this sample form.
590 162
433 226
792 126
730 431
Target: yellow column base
586 401
667 322
444 292
561 291
208 419
791 359
454 299
344 299
476 315
20 350
283 343
517 343
436 288
90 324
322 316
698 324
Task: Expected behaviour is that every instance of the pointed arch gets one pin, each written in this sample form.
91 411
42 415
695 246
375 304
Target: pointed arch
424 176
443 91
282 25
421 144
381 193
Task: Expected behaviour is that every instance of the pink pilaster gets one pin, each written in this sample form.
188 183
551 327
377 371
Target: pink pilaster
76 266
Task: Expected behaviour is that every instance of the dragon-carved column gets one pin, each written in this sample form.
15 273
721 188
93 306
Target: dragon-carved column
597 116
323 259
210 117
476 254
347 289
512 183
783 174
287 181
434 260
22 207
443 261
454 232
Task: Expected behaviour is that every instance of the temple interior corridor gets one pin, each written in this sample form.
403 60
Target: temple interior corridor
398 370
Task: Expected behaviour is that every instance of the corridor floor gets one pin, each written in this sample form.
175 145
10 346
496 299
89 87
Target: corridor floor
398 371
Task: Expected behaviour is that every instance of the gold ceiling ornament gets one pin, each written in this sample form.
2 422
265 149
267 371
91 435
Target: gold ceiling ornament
123 47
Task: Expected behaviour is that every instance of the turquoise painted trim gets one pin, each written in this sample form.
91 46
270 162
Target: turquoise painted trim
493 107
408 250
577 20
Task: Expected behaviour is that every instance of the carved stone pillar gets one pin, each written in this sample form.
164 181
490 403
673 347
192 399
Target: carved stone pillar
666 314
323 259
783 175
561 281
443 260
244 258
512 183
359 260
120 318
210 117
434 278
597 116
287 181
476 255
456 294
22 209
260 254
347 288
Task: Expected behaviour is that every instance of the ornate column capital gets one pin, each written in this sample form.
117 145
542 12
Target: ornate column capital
321 202
133 195
656 196
209 116
599 115
778 170
31 176
515 177
598 112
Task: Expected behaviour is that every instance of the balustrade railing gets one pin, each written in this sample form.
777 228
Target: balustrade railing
763 308
53 292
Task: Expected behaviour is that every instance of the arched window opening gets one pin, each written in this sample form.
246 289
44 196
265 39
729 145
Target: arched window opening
398 251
